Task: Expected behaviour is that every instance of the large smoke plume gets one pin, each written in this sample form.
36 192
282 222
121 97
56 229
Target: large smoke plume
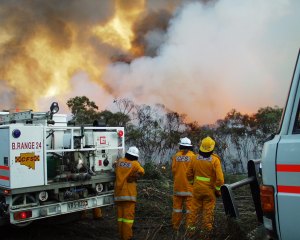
217 57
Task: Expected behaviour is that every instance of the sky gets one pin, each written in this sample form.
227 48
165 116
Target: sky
200 58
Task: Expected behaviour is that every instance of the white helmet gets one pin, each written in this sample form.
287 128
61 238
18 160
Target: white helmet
133 151
185 142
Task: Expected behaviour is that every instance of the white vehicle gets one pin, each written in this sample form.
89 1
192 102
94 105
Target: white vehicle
280 192
48 168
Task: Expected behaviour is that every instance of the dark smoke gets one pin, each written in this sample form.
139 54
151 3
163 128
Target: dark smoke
151 28
150 32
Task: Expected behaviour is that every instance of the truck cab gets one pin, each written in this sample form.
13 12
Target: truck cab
280 189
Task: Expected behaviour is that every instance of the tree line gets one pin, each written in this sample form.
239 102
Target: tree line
156 130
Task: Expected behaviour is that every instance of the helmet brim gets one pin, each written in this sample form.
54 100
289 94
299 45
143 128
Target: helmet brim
132 154
211 148
185 144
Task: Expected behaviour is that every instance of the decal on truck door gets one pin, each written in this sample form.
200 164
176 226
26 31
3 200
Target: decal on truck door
28 160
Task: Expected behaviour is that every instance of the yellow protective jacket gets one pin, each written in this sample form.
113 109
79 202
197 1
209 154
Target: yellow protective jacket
125 169
206 173
180 162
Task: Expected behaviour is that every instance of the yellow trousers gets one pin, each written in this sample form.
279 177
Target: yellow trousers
178 206
125 211
203 205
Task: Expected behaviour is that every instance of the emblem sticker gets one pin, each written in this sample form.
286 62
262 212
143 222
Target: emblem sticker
28 159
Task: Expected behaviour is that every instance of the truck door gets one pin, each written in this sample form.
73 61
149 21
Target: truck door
288 165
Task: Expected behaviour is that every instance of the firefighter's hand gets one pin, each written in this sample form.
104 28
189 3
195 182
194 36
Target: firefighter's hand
131 179
217 193
114 164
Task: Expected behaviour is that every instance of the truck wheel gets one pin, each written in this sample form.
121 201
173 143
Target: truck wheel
23 199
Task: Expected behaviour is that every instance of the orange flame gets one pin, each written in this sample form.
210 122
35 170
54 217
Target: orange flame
42 65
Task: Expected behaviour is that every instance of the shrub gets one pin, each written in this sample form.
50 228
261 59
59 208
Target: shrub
152 171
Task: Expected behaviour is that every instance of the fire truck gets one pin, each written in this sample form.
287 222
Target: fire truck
49 168
280 191
277 198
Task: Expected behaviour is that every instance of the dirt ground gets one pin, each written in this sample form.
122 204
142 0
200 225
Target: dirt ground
67 227
152 222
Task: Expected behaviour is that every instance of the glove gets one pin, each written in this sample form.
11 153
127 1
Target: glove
217 193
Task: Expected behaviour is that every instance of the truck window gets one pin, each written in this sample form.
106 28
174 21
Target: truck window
296 129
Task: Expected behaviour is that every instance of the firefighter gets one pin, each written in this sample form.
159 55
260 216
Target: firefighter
206 173
182 188
128 169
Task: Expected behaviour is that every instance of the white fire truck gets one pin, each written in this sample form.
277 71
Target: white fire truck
280 192
48 168
277 199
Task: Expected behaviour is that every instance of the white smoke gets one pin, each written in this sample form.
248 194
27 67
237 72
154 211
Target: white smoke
233 54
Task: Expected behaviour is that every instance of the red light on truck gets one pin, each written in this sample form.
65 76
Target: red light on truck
267 198
6 192
120 133
22 215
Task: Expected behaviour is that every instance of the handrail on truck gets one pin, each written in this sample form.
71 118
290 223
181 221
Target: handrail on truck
229 204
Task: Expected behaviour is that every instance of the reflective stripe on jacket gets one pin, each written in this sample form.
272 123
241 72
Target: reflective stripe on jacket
180 162
126 191
206 172
204 179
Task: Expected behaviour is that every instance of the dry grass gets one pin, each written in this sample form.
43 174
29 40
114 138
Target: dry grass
154 209
152 222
